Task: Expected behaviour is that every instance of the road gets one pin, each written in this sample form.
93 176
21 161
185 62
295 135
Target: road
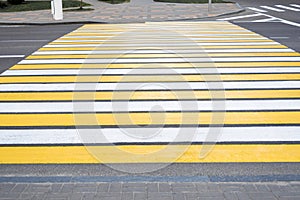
38 133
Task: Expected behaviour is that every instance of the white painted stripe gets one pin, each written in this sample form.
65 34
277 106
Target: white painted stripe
288 8
160 60
163 45
266 20
147 106
144 135
240 17
149 86
12 56
271 8
161 71
145 41
169 36
295 5
23 41
161 51
256 9
280 37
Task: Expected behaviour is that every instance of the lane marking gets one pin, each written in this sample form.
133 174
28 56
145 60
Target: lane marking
114 135
160 51
158 60
240 17
4 41
288 8
148 95
280 37
12 56
132 86
150 79
164 45
146 106
272 8
151 66
150 71
256 9
146 154
295 5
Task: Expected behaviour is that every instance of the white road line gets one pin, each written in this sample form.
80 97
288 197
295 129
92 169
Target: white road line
12 56
144 135
271 8
240 17
162 45
256 9
24 40
168 37
137 41
150 71
295 5
150 86
161 51
288 8
147 106
266 20
279 37
283 20
160 60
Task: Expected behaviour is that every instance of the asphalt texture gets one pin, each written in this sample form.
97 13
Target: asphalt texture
23 40
38 36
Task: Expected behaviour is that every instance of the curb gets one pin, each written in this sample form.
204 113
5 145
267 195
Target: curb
96 22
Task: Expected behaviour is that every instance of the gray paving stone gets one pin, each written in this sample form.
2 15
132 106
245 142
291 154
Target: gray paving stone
6 187
164 187
127 196
103 187
243 196
160 196
109 195
230 195
115 187
260 195
140 196
56 187
88 196
19 188
67 188
134 187
152 187
9 195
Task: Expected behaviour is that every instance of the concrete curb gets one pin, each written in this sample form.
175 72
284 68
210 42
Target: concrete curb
99 22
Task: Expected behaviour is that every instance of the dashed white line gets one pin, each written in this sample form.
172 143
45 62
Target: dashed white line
256 9
240 17
288 8
12 56
295 5
271 8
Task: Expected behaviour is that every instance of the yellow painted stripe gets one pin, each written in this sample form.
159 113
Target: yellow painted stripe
149 154
155 41
161 37
170 65
205 118
149 95
186 32
166 55
169 48
148 78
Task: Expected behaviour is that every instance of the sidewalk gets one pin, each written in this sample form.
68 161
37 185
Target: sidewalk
135 11
151 191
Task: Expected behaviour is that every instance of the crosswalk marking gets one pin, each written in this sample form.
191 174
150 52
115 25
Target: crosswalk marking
256 9
272 8
295 5
45 99
146 95
288 8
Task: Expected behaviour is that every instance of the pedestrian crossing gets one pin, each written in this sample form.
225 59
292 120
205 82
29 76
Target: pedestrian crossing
158 92
276 8
265 14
